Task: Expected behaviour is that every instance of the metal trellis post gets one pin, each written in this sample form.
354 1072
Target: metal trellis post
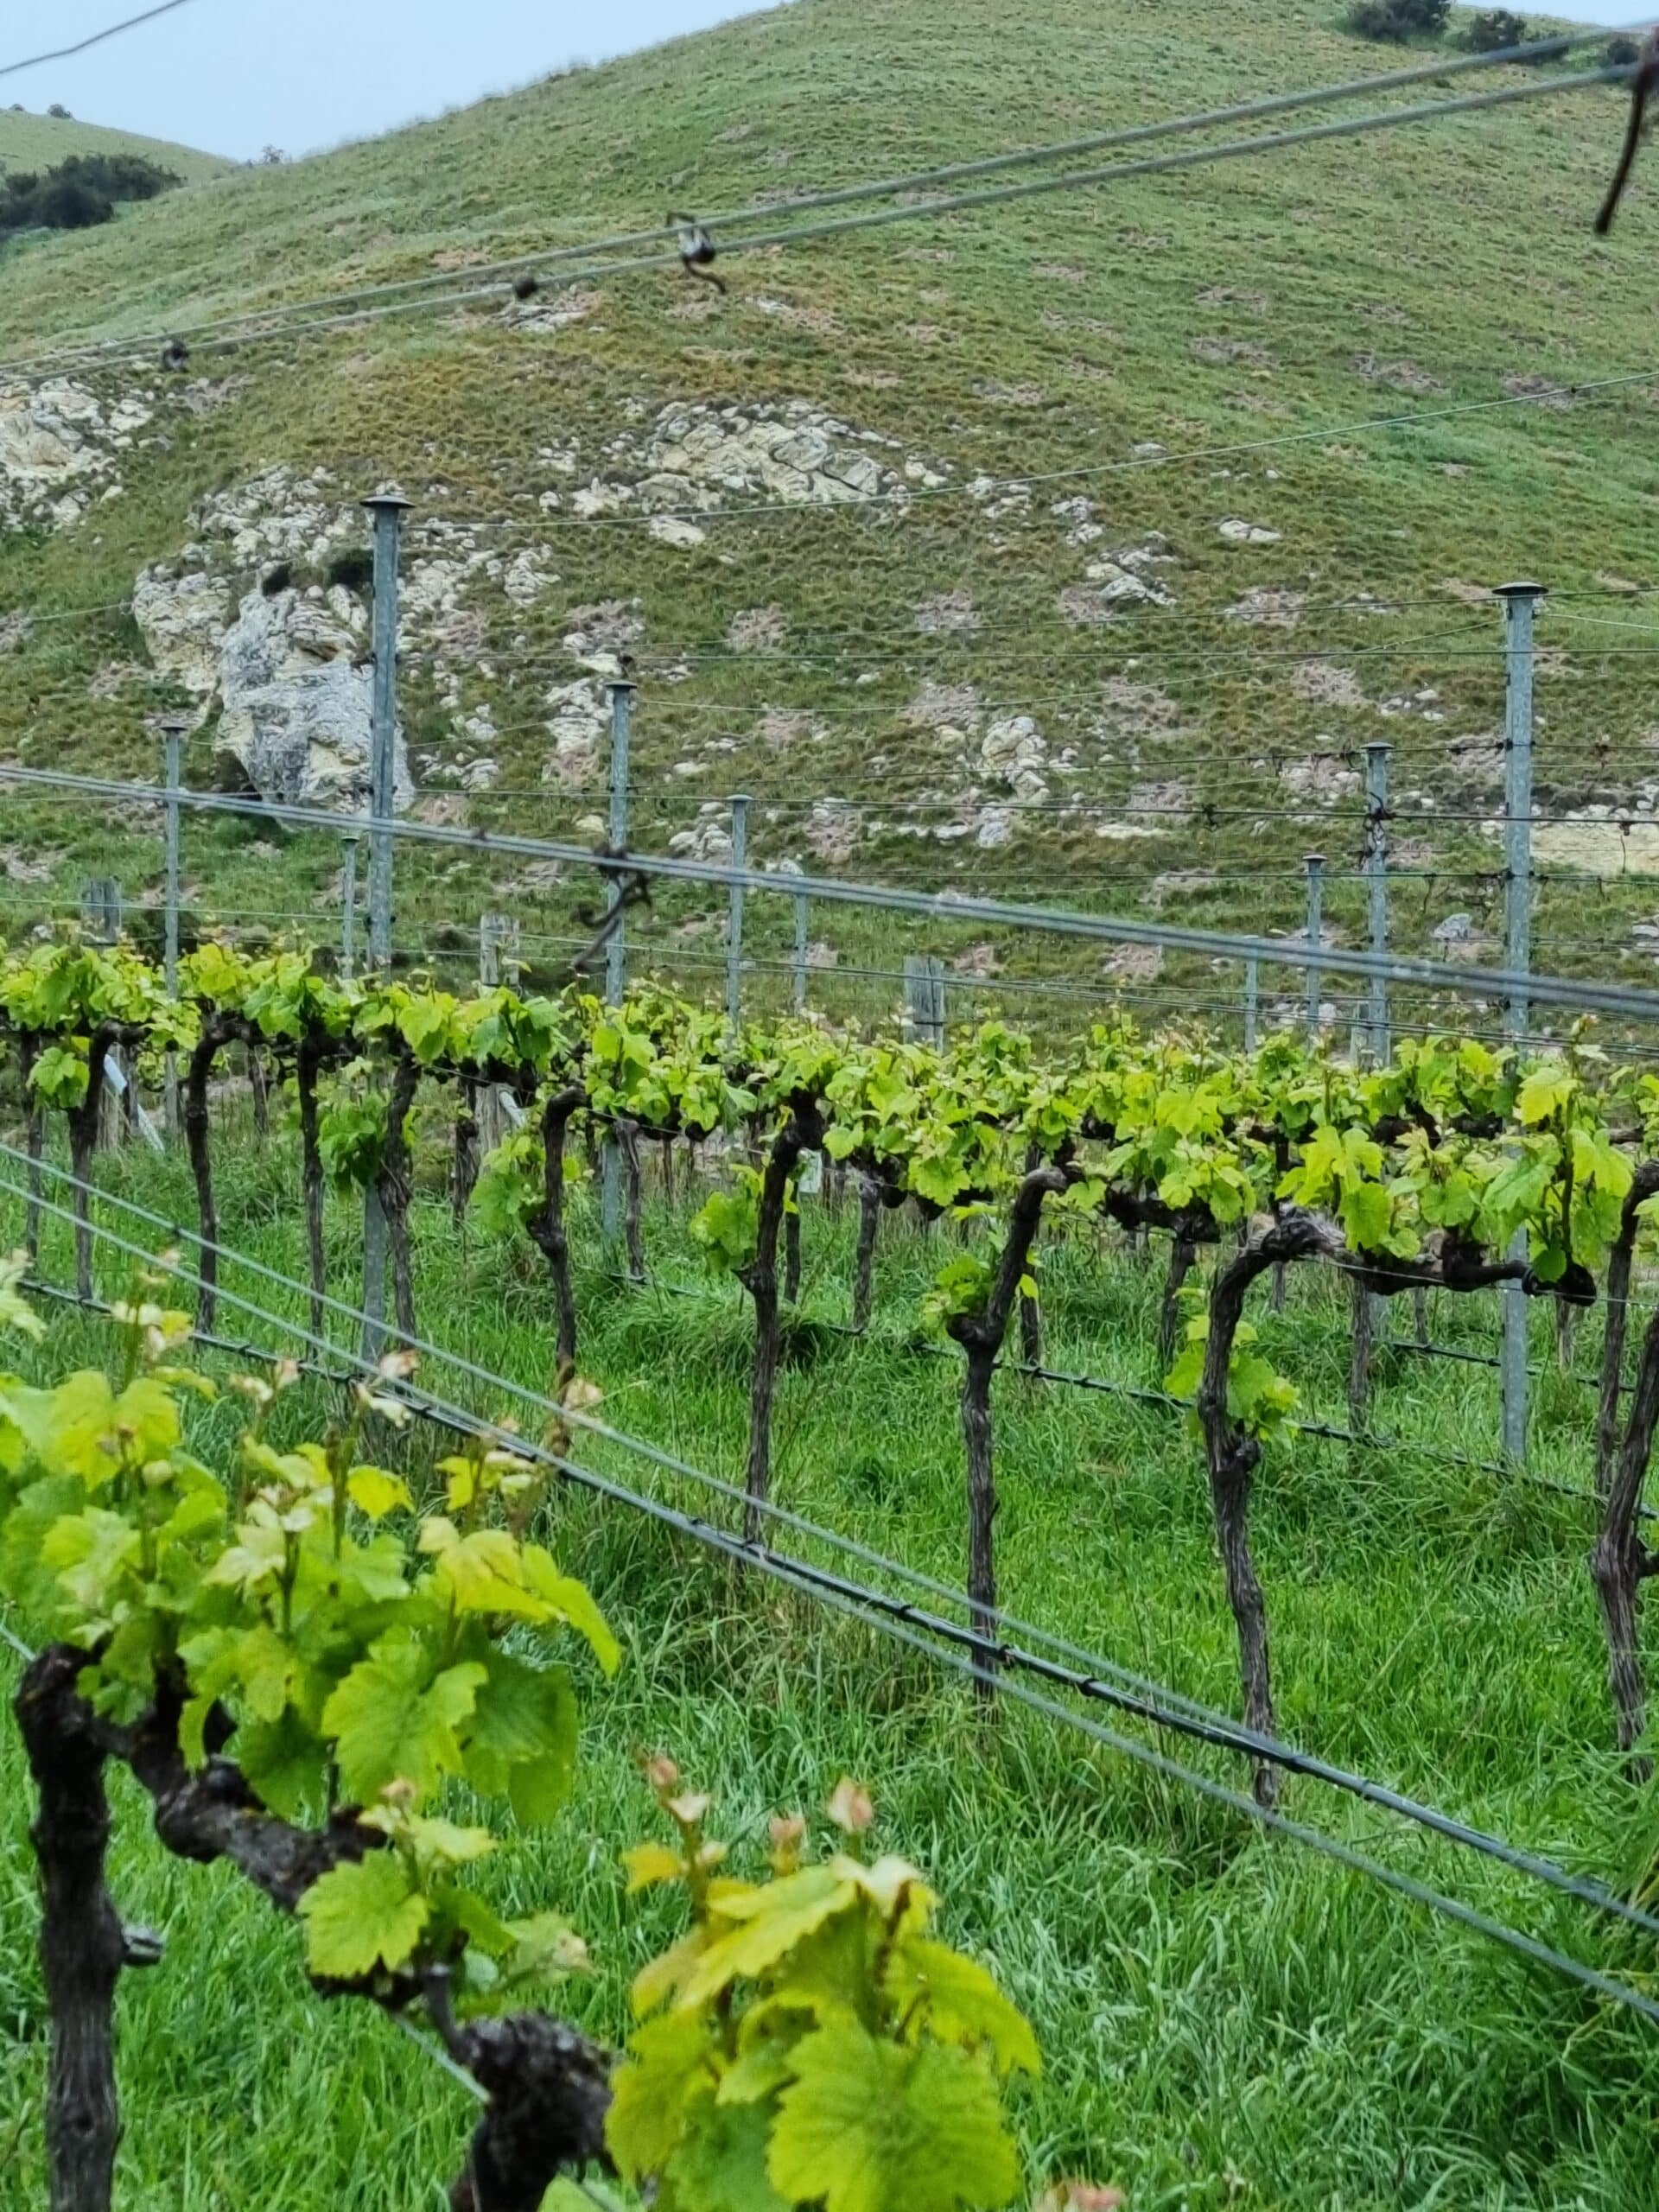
1252 984
173 731
1520 601
735 910
1315 865
493 933
388 509
616 950
802 903
1377 883
348 908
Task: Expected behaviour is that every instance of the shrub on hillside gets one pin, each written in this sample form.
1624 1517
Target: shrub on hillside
65 203
1399 20
59 112
79 192
1622 51
1494 28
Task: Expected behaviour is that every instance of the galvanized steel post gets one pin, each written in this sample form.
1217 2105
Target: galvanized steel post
1315 865
801 905
735 910
616 952
1252 985
348 908
388 509
1520 600
173 729
1377 882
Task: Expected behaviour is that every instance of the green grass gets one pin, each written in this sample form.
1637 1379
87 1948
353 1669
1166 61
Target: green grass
41 142
1284 296
1227 2021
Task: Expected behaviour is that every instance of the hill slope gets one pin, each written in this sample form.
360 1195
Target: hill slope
1137 677
39 142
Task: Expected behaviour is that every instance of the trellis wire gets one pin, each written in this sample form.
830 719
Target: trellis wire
1149 1700
947 908
872 1610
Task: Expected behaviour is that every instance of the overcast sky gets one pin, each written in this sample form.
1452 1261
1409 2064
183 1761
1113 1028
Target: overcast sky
232 78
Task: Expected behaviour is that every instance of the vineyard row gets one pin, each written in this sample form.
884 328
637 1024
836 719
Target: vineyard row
1453 1165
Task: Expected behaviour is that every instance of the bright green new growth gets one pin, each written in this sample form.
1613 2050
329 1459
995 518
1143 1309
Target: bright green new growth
807 2042
811 2044
298 1600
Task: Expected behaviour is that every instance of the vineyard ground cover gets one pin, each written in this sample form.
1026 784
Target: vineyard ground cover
1242 2024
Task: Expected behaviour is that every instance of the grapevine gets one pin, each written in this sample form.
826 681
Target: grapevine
298 1658
1453 1165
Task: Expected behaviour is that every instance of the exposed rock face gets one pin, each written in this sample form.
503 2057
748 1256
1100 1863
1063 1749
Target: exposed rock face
1113 583
1013 750
832 830
58 450
1132 963
579 721
711 839
284 665
1320 775
182 619
296 707
1457 938
694 456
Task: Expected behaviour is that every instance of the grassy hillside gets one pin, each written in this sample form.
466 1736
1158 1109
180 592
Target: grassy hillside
1178 353
39 142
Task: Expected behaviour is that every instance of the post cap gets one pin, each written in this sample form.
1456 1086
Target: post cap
174 724
623 683
1519 591
392 501
1377 745
1314 860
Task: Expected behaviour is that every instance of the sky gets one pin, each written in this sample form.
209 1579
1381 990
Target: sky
232 78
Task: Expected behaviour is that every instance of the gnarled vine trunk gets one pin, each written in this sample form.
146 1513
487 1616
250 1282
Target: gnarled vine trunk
870 1220
260 1091
1233 1457
82 1946
463 1171
1182 1254
546 2087
1644 1184
83 1143
627 1138
215 1035
1031 1331
1620 1562
395 1186
981 1337
546 1229
802 1132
